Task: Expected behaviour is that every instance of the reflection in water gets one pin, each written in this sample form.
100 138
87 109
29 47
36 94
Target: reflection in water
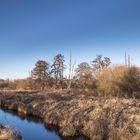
31 128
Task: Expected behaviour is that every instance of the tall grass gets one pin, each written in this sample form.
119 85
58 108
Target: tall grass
119 81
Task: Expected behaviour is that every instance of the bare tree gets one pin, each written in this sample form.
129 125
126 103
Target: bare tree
85 76
82 69
100 63
128 60
40 73
71 71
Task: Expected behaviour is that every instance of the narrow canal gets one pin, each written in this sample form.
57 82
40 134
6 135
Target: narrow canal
31 128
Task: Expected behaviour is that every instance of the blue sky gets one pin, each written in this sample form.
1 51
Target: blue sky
39 29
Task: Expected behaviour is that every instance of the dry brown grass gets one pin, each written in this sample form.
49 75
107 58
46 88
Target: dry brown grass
119 81
108 80
6 133
98 118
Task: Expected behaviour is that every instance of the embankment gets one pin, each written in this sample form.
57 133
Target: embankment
97 118
6 133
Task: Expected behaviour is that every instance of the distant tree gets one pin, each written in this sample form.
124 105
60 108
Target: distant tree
58 68
40 74
85 76
100 63
128 60
82 69
4 84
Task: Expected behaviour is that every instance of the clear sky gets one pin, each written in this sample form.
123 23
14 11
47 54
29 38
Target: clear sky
39 29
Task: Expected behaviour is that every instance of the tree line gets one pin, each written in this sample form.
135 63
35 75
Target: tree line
97 77
46 75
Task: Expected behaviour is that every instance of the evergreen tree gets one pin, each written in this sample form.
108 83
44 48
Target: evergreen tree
40 73
58 68
100 63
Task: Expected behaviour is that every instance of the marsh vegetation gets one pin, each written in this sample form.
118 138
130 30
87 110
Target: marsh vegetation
97 100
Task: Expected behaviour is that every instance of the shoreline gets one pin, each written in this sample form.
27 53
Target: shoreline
7 133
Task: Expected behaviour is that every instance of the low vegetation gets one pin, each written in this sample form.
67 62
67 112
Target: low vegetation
79 114
6 133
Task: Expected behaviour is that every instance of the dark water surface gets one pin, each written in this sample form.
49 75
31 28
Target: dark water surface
29 129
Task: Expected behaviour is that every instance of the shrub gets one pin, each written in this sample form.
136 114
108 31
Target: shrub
130 82
108 80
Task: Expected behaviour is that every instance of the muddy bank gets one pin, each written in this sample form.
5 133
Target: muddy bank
6 133
94 117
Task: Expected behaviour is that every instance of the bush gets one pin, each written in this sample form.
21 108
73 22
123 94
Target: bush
119 81
130 82
108 80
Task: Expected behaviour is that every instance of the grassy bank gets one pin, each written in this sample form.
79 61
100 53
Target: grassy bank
97 118
6 133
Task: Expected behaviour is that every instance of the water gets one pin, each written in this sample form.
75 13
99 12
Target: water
29 129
